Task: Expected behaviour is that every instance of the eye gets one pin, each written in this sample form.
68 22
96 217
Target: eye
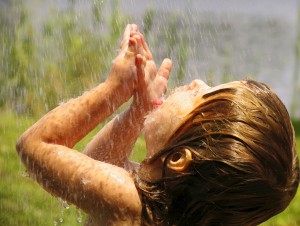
175 157
179 160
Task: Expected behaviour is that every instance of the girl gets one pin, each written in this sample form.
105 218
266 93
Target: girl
221 155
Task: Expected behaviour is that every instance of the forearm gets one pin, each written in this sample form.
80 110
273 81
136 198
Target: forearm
113 144
71 121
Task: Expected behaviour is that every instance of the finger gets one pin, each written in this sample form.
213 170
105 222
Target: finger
146 51
131 50
146 48
126 35
162 85
150 69
134 28
140 65
140 61
127 31
140 49
165 68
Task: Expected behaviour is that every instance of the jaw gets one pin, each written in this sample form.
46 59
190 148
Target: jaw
161 124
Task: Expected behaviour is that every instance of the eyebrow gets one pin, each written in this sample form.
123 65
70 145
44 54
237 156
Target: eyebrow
214 92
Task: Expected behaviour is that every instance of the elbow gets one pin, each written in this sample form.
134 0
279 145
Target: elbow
28 140
21 145
25 148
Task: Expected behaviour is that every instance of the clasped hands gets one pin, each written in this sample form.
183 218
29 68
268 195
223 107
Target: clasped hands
135 72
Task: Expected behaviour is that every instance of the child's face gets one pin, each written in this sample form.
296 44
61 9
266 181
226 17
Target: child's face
163 122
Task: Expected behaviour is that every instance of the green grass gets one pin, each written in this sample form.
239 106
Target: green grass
23 202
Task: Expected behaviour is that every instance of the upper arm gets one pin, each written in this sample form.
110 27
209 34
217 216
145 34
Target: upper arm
95 187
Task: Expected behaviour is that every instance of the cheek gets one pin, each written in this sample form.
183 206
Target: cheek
155 132
155 138
181 103
161 124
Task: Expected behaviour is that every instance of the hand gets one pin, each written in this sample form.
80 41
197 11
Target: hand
151 85
123 73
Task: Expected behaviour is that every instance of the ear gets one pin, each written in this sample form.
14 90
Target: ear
179 160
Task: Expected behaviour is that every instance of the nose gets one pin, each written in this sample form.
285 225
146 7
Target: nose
198 84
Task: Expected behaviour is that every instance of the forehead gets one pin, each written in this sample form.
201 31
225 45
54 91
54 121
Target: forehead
163 122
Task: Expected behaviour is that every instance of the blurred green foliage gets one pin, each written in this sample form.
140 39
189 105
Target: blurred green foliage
47 64
296 77
41 65
50 61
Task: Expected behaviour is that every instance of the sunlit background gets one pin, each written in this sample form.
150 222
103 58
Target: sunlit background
51 51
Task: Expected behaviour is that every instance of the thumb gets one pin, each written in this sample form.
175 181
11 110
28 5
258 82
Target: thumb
165 68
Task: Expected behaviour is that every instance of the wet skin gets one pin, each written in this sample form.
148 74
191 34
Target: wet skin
99 181
161 124
100 184
173 111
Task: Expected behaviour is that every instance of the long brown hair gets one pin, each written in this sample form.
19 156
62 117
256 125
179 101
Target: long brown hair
245 165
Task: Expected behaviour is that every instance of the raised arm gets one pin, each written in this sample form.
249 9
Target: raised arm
45 148
113 144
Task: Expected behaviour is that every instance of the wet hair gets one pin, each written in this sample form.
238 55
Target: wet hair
244 168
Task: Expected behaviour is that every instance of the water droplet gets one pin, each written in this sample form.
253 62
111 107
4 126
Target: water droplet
25 174
64 204
79 217
117 178
85 181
